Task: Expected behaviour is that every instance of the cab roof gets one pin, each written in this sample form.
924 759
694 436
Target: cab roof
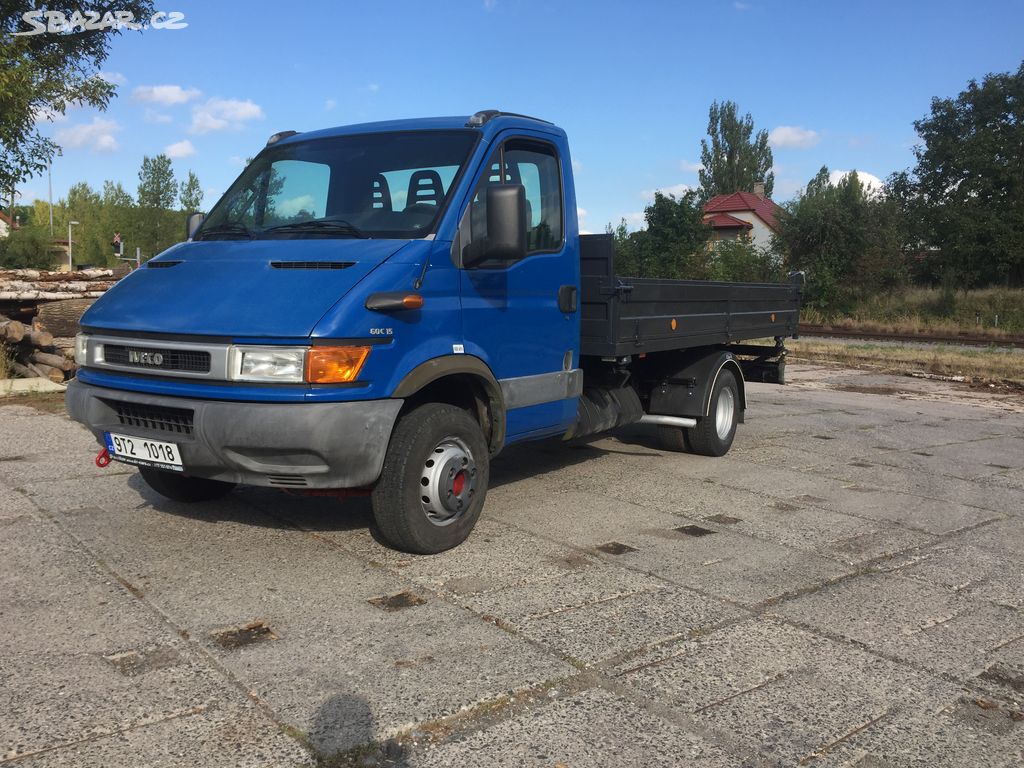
490 123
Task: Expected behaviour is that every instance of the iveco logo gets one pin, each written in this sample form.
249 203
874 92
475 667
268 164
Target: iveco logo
145 358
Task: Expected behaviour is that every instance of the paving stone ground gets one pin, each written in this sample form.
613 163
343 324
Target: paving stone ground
856 599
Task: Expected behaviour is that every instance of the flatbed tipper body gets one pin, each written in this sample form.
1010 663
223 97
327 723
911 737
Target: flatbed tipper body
382 308
624 315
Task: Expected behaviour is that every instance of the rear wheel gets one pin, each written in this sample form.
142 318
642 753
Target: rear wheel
715 432
434 481
178 487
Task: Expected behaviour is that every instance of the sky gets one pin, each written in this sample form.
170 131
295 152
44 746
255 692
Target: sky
834 83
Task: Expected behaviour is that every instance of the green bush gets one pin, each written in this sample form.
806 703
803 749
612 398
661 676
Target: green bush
26 248
743 262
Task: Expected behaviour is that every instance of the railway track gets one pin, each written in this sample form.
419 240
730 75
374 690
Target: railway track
963 340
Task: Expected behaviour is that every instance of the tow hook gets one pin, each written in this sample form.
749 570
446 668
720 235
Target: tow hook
103 458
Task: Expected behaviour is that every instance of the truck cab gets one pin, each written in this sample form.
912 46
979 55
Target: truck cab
381 307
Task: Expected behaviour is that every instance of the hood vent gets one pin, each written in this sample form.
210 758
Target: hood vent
162 264
311 264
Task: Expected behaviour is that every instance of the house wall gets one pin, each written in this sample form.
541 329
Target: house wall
4 229
761 234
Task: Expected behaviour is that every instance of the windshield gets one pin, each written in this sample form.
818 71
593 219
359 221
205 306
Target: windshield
390 185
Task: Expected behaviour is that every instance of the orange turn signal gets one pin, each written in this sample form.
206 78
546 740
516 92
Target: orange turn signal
412 301
334 365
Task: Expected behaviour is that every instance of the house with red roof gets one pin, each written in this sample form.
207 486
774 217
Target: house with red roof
748 215
6 225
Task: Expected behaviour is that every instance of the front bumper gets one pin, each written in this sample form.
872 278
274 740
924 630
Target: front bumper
300 445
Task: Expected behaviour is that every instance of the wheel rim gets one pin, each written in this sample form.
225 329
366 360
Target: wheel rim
448 481
724 412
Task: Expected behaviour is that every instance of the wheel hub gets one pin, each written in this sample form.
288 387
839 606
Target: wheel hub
724 412
448 481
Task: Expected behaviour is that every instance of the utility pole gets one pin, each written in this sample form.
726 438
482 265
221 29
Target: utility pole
49 182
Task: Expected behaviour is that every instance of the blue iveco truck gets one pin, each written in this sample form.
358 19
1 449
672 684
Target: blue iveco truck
385 307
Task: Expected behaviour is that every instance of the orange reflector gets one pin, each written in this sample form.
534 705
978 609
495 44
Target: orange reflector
334 365
412 301
673 323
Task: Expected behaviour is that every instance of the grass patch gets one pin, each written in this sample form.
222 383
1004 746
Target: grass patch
985 365
5 364
930 310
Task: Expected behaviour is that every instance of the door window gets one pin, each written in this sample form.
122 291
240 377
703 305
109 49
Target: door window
534 165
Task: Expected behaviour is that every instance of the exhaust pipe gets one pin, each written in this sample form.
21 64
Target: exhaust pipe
668 421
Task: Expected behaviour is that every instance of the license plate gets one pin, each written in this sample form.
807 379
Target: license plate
142 451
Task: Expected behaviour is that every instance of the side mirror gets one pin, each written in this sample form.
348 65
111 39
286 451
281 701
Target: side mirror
506 226
192 223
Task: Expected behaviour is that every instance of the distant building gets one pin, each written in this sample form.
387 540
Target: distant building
748 215
6 225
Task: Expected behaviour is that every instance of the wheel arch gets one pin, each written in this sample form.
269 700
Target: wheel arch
733 365
462 380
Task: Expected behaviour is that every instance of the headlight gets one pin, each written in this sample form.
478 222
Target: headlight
284 365
81 349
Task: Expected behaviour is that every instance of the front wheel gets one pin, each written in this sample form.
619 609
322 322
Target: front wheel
179 487
715 432
434 481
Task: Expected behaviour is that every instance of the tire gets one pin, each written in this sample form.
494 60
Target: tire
673 439
434 481
715 432
178 487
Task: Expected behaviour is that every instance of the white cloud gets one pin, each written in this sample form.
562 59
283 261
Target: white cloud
167 95
793 136
180 149
372 87
577 166
114 77
676 190
330 104
581 216
741 6
687 167
237 160
490 5
291 207
152 116
871 182
224 115
635 221
97 135
211 194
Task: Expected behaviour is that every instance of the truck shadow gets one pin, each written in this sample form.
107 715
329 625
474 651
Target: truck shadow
279 509
343 732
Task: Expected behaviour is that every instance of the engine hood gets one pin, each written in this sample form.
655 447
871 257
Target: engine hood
257 288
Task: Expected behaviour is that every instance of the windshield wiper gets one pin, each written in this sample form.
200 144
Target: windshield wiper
227 228
320 226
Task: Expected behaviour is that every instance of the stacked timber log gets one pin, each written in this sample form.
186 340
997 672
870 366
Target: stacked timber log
39 314
31 285
33 352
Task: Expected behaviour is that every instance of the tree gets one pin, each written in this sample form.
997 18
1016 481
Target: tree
967 198
42 74
156 196
191 194
849 241
672 245
157 187
736 158
26 248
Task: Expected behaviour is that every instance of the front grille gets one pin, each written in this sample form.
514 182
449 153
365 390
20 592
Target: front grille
145 358
155 417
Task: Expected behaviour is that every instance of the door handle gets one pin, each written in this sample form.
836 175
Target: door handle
567 298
